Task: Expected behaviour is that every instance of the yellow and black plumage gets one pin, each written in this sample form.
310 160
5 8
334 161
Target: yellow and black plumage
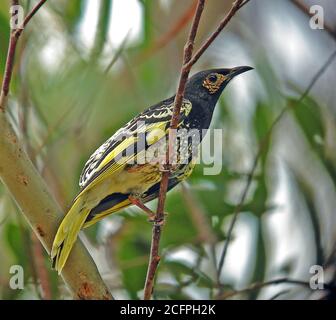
112 177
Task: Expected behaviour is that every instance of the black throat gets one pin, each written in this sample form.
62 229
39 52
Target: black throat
201 112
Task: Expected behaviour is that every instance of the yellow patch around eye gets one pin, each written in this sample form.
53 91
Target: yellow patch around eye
214 86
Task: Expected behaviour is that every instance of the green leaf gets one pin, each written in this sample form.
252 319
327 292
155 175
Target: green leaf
102 28
308 115
72 13
304 192
260 259
14 240
4 36
263 119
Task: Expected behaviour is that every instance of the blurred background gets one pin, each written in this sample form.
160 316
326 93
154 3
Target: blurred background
85 67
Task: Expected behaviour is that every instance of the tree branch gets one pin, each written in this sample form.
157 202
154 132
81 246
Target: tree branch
31 14
156 232
32 195
235 7
188 62
261 149
14 37
259 285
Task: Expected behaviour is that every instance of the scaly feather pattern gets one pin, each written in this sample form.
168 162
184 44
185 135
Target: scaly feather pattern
113 174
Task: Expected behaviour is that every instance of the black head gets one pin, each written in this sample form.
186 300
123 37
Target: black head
209 84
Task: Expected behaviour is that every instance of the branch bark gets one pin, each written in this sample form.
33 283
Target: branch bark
32 195
188 62
156 232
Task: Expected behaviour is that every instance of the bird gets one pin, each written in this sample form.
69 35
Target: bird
114 178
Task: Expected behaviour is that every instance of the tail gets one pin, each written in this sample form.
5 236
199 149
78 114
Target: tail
67 234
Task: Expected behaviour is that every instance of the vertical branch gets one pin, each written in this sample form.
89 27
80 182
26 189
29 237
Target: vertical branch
156 232
188 62
14 37
9 64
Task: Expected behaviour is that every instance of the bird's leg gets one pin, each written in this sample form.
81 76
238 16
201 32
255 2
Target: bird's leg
163 167
151 214
137 202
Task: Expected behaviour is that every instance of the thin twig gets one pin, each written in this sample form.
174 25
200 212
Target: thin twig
235 7
14 37
259 285
31 14
261 149
156 232
118 53
244 3
188 62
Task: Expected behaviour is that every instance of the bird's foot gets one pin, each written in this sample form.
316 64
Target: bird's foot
137 202
161 221
151 214
166 168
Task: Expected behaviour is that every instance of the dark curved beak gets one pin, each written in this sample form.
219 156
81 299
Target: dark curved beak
238 70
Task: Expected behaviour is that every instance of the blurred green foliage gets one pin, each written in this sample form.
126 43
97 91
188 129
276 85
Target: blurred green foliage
64 106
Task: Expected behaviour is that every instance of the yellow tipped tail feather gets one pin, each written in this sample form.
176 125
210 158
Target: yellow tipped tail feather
67 234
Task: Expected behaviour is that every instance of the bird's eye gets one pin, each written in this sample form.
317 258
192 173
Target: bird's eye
214 81
212 78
